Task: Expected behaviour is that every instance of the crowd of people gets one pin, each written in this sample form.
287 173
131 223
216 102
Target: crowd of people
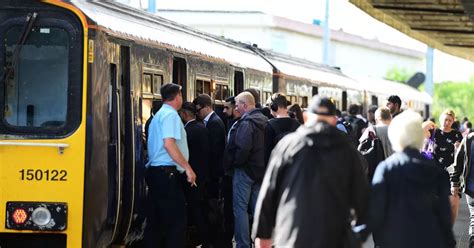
278 176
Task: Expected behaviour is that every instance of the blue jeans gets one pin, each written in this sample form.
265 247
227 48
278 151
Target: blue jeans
245 192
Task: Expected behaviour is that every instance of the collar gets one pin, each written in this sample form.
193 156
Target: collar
189 122
208 117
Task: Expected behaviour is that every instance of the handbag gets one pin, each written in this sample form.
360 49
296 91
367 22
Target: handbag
428 149
372 150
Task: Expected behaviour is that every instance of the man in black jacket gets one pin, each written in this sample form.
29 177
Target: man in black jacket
198 145
247 160
315 176
216 129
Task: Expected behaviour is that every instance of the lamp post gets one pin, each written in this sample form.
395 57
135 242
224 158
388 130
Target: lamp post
326 36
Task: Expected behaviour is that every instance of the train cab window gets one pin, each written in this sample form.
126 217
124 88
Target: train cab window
41 92
151 84
203 87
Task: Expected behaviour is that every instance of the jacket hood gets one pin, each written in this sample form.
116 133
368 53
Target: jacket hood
256 117
326 136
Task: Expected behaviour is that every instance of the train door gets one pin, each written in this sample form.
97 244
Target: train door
238 82
375 100
344 101
315 91
180 75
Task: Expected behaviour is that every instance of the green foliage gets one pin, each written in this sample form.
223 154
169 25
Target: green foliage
398 74
454 95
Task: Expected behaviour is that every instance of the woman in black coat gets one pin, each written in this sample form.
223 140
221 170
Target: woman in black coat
409 204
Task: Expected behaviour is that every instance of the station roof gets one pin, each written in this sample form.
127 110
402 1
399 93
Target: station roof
447 25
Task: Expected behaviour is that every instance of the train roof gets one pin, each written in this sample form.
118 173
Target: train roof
387 87
318 73
131 23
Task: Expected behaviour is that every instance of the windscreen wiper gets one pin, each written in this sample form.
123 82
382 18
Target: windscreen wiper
30 22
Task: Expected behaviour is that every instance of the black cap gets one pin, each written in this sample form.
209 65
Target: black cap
189 106
322 106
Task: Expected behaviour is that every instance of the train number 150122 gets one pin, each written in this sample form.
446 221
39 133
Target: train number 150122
43 175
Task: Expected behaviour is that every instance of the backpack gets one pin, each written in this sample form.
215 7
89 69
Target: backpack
345 123
371 149
356 128
280 134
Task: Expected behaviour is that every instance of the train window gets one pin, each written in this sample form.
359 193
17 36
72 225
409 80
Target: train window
222 92
203 87
147 82
267 95
238 82
157 82
35 71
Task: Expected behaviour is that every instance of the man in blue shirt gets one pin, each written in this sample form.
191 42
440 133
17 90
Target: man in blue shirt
168 157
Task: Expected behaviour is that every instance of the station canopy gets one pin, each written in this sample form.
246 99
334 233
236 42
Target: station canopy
447 25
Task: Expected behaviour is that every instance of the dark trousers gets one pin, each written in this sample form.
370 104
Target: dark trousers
195 209
228 212
166 218
470 204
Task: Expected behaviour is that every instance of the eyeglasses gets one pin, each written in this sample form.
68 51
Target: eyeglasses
199 109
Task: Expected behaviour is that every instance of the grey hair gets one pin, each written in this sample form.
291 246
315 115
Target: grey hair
405 131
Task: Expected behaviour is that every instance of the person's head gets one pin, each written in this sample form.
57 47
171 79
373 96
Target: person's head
278 105
187 112
171 95
321 109
465 119
406 131
155 106
244 102
203 104
295 112
446 119
383 116
467 125
229 107
394 103
338 113
256 96
371 113
354 109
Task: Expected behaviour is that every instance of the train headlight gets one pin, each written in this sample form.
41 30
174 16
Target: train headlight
41 216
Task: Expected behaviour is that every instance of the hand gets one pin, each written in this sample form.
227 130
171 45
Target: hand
455 191
191 176
427 126
263 243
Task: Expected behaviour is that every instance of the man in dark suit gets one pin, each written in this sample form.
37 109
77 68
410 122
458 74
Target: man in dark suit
217 134
198 144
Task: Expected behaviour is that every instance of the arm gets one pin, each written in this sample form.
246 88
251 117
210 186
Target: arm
458 165
177 156
263 243
269 141
243 143
378 199
267 203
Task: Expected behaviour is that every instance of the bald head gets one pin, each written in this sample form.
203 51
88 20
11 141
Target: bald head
244 102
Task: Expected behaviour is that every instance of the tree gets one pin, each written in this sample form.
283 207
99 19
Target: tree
456 96
398 74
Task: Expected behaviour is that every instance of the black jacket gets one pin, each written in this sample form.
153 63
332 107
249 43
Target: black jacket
309 189
247 148
275 129
409 204
198 144
462 163
216 129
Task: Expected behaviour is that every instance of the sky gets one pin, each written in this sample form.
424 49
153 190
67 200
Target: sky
343 16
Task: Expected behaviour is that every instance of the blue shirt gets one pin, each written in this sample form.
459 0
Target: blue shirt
166 124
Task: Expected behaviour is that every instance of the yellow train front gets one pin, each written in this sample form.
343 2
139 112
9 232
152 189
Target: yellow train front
56 191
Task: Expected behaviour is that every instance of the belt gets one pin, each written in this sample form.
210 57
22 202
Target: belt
165 168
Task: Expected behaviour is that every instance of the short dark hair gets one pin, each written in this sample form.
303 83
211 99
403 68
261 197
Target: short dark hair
353 109
156 105
468 124
189 107
372 109
203 100
169 91
395 99
278 101
231 100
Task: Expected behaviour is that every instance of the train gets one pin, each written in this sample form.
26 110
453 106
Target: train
78 80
